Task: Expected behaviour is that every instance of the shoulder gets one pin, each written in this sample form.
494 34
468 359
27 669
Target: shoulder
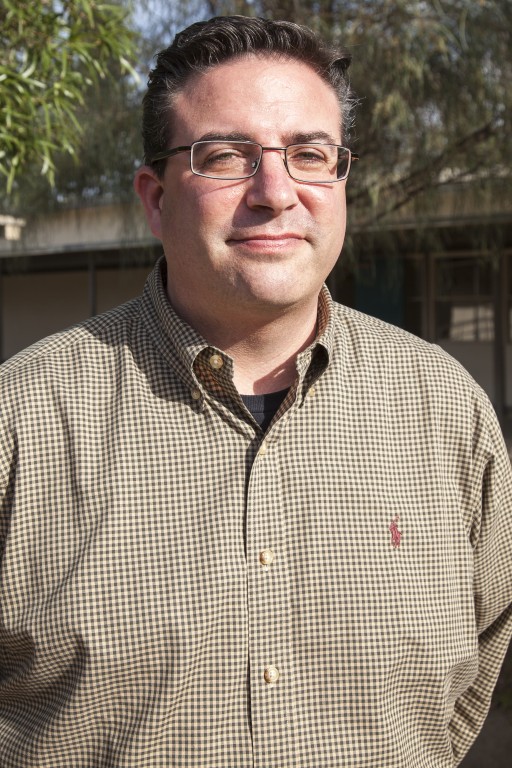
72 352
415 377
387 347
422 393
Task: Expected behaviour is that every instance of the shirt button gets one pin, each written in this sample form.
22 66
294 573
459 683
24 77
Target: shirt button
196 394
266 557
271 675
216 362
262 449
312 392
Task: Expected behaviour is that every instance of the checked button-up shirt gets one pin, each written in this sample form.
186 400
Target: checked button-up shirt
180 590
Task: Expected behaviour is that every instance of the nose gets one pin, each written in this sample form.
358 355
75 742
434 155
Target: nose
271 187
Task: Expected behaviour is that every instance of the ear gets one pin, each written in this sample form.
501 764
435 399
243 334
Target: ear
149 188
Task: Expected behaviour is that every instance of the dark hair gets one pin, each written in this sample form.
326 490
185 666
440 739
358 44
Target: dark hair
207 43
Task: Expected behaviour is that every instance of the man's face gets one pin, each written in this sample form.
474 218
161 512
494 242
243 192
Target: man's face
258 246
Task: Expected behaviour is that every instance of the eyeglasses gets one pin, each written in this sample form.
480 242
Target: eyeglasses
234 160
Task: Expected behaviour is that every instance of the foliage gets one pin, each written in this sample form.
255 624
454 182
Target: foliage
51 51
105 154
432 78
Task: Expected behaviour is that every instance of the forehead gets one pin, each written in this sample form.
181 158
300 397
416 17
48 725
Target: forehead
258 96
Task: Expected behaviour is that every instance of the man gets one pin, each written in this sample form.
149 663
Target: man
243 525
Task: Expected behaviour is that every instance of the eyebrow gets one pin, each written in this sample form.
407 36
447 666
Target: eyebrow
294 138
312 137
232 136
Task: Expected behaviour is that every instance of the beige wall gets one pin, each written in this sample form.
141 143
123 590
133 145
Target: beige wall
115 286
36 305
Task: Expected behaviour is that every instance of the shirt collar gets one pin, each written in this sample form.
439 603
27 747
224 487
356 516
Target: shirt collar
175 339
325 331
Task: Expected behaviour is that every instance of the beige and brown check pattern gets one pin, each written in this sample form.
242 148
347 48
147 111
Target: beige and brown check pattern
178 591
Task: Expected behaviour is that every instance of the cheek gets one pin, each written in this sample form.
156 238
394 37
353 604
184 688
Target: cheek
211 207
328 209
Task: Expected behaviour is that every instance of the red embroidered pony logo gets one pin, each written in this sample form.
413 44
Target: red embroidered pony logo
396 535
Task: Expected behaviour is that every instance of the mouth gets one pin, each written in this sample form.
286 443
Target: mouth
266 241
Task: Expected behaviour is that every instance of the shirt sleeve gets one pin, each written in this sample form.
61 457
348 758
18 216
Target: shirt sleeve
491 537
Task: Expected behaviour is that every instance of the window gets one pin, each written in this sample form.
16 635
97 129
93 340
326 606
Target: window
464 308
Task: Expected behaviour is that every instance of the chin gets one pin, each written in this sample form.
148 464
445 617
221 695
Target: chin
277 297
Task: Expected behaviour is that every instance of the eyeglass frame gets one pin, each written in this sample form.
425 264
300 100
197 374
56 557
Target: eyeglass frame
353 157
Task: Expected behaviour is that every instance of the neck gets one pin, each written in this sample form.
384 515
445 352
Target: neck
264 360
263 349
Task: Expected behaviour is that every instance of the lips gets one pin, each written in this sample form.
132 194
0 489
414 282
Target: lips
279 236
263 237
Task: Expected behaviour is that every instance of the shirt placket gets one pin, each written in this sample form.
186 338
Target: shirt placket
272 673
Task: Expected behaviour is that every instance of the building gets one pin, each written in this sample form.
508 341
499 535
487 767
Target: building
443 273
69 265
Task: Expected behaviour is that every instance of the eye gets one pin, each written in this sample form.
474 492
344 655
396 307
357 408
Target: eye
223 158
309 154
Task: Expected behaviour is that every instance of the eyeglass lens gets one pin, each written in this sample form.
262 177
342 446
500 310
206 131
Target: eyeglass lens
238 160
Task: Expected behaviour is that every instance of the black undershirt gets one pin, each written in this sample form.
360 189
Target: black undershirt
264 407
